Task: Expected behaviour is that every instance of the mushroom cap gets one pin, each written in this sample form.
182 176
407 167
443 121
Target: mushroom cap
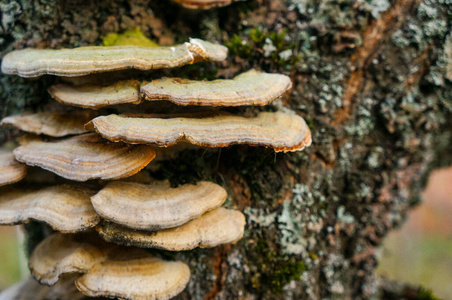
56 124
204 4
95 97
11 170
30 289
216 227
86 60
66 253
86 157
250 88
146 207
141 277
280 131
65 208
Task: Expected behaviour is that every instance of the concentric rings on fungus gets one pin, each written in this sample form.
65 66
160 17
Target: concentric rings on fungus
65 208
55 124
280 131
85 157
87 60
107 270
147 207
11 170
95 97
249 88
204 4
216 227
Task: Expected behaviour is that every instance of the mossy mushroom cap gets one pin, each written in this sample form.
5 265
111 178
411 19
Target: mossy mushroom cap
11 170
55 124
147 207
85 157
249 88
66 208
280 131
216 227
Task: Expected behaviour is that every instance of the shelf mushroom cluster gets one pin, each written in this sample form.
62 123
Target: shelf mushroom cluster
98 222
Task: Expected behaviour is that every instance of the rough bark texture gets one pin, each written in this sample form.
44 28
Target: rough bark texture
373 80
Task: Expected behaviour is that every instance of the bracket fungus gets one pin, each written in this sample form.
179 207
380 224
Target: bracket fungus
11 170
204 4
66 253
107 270
85 157
65 208
249 88
55 124
135 275
217 227
87 60
147 207
280 131
134 214
95 97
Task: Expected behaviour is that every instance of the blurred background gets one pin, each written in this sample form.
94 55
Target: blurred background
418 253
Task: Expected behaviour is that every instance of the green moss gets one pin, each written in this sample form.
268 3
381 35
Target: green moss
426 294
263 47
130 37
275 270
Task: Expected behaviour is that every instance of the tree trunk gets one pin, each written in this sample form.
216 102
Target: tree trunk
373 80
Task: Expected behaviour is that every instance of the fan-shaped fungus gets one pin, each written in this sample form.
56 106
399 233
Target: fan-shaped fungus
11 170
280 131
216 227
204 4
86 60
109 270
146 207
86 157
95 97
65 208
249 88
56 124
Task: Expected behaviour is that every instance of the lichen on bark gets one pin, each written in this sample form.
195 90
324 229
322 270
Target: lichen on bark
372 79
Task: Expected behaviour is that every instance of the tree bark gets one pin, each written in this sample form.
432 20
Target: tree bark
373 80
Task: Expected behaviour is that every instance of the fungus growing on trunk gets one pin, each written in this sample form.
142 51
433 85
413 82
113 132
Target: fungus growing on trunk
60 254
280 131
134 274
95 97
85 157
146 216
217 227
146 207
204 4
65 208
249 88
55 124
109 270
11 170
87 60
